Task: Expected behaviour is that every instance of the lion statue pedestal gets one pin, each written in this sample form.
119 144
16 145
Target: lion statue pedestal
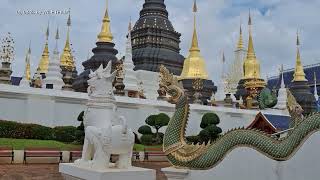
106 133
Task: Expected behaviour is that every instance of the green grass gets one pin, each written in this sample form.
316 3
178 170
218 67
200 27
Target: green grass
140 147
20 144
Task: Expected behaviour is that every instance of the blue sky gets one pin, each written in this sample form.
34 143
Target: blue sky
275 25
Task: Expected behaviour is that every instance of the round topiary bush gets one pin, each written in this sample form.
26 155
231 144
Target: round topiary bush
145 129
147 139
209 118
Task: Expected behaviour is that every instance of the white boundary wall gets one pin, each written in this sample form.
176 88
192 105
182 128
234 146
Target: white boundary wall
61 108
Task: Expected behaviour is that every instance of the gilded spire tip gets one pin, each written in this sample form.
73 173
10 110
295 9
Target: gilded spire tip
250 20
47 32
105 35
69 19
57 34
299 74
195 7
298 39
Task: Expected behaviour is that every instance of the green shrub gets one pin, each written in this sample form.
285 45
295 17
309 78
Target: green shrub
193 139
145 130
209 118
147 139
80 133
65 134
16 130
157 122
210 131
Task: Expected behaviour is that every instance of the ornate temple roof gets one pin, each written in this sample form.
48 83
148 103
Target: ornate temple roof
154 40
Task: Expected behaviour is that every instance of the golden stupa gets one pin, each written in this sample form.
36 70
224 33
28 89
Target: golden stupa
194 65
66 59
105 35
44 61
299 74
251 65
27 71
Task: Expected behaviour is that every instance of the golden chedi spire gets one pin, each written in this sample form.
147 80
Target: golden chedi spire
66 59
251 66
105 35
194 65
27 71
44 61
299 74
240 44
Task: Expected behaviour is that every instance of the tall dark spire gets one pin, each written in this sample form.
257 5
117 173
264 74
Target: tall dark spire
154 40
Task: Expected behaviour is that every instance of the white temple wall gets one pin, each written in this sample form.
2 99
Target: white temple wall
61 108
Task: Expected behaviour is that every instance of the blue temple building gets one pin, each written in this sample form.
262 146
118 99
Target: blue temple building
275 81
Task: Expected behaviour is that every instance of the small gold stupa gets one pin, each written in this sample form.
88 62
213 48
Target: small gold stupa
299 74
44 61
194 65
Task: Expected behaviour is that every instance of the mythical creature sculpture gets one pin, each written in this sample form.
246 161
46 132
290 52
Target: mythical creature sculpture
267 99
183 154
106 133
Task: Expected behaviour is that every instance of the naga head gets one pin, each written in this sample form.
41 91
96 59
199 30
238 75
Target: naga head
293 106
170 84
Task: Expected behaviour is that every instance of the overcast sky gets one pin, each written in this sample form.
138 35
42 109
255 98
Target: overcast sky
275 25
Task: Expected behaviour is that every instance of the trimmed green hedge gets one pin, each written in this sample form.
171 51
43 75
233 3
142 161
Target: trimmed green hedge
9 129
65 134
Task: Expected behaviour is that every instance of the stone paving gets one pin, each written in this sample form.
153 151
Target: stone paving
51 171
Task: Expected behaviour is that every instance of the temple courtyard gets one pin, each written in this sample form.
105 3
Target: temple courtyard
51 171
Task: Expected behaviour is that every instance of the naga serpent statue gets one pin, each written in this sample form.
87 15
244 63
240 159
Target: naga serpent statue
267 99
183 154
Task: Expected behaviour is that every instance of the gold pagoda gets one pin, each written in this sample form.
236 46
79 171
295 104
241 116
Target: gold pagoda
194 65
252 82
194 76
44 61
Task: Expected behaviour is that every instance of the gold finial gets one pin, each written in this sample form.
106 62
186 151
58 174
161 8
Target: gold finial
299 74
240 44
250 20
44 61
27 72
194 65
105 35
251 65
57 33
66 59
47 32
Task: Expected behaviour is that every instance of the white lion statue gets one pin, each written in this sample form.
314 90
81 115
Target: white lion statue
106 132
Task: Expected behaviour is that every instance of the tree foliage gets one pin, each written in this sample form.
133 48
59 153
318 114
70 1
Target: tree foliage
157 122
210 131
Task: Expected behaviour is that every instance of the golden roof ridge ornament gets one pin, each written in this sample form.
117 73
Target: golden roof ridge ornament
66 59
251 64
44 61
194 65
105 35
299 74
